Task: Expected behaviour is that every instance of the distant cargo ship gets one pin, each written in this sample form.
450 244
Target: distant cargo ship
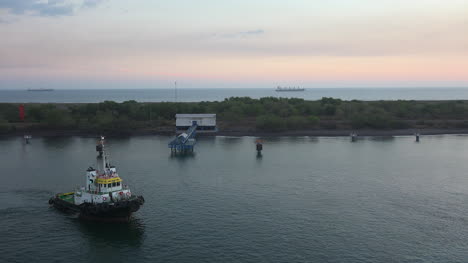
289 89
40 89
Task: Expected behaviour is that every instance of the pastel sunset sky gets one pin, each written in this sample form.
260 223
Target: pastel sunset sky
229 44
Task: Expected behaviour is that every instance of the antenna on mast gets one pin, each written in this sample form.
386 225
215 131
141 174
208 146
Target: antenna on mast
104 157
175 91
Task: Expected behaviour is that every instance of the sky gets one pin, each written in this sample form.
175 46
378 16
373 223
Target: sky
233 44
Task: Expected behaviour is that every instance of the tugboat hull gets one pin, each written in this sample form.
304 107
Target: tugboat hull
119 211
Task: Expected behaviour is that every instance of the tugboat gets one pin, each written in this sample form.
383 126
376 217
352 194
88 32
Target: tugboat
104 198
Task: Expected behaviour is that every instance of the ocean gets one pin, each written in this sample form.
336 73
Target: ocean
196 95
306 199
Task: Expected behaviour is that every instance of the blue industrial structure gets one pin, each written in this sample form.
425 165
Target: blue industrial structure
185 141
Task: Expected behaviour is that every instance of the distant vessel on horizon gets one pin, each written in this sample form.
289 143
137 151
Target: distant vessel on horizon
279 89
41 89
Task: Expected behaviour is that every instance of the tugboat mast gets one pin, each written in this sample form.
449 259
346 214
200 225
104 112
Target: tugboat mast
104 156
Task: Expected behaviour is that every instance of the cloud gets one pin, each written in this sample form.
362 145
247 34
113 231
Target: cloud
49 8
242 34
91 3
22 65
252 32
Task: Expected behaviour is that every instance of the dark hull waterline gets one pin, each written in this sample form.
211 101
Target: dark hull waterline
106 212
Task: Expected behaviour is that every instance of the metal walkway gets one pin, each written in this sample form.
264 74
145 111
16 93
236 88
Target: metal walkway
185 141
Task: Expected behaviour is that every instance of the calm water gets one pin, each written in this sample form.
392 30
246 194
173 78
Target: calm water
187 95
305 200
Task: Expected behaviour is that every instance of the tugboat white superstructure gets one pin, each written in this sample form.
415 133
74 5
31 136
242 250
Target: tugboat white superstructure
104 197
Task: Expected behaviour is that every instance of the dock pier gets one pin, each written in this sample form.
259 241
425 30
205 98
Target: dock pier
184 142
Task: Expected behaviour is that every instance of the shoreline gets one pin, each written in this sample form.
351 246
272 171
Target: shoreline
234 133
237 116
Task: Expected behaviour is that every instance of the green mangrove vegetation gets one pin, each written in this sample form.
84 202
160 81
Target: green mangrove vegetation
268 114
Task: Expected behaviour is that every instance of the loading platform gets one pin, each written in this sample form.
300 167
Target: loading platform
184 142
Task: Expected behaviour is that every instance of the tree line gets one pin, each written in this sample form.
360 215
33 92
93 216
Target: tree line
265 114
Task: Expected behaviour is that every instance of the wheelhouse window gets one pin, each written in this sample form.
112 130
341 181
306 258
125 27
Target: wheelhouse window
109 185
